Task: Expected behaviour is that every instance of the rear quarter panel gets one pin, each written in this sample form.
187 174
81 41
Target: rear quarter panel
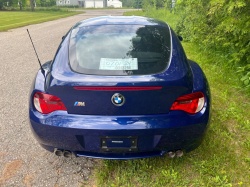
200 83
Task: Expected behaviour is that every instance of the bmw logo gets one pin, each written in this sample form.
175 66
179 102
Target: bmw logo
118 99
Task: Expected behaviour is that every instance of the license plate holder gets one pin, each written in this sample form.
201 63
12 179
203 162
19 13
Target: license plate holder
119 143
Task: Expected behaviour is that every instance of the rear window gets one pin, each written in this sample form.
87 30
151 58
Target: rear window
119 49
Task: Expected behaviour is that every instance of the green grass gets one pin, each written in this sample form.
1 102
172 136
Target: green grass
134 13
14 19
223 159
161 14
100 8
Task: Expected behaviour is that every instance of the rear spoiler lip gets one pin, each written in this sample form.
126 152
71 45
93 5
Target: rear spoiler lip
114 88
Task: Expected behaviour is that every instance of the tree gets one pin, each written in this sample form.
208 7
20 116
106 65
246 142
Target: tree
2 3
22 3
43 3
220 26
154 3
32 5
137 4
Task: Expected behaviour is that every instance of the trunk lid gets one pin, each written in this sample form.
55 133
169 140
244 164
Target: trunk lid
137 102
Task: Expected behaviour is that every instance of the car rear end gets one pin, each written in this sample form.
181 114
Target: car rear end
164 100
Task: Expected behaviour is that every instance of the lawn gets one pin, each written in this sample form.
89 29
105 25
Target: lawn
223 159
14 19
100 8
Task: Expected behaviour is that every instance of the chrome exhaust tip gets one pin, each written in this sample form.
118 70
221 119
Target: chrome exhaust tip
67 154
171 154
179 153
58 152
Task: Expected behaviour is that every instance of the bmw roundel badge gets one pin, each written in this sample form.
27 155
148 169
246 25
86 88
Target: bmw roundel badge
118 99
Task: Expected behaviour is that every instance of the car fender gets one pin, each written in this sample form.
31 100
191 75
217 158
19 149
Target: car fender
200 83
39 81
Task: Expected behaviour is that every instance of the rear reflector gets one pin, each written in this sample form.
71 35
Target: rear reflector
191 103
45 103
117 88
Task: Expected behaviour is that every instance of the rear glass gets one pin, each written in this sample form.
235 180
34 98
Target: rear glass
119 49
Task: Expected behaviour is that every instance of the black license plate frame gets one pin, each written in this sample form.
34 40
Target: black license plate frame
132 148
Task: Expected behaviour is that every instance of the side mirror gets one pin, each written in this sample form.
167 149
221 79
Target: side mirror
180 38
63 37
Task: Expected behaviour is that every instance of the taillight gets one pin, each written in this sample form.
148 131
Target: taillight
191 103
45 103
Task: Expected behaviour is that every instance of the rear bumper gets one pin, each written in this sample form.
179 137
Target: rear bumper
156 133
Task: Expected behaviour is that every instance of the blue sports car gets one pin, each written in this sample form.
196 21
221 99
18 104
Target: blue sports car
120 88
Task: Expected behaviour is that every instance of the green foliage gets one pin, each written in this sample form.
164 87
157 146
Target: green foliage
245 72
137 3
155 4
54 9
47 3
12 4
68 6
2 2
221 26
127 3
138 13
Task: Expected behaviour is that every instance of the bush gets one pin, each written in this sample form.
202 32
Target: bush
221 26
137 4
55 9
68 6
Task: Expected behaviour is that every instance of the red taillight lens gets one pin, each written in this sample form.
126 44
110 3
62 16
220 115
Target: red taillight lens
45 103
191 103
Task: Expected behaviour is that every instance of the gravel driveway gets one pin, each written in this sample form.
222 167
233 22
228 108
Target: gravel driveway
22 161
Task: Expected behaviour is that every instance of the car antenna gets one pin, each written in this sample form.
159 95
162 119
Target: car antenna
42 70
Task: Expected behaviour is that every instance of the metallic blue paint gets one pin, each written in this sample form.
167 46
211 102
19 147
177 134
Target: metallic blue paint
120 20
157 133
176 81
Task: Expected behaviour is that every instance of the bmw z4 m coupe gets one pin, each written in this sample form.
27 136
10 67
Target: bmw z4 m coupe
120 88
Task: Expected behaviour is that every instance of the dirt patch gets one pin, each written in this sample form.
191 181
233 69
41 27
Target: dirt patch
91 182
231 126
10 170
28 179
1 154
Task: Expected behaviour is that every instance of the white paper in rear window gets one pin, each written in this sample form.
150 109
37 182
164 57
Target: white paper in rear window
118 64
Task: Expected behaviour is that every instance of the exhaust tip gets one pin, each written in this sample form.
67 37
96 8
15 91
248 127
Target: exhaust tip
59 152
179 153
67 154
171 154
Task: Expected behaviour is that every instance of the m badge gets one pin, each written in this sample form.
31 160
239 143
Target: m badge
79 104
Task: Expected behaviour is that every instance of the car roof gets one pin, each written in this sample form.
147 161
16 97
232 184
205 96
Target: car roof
121 20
